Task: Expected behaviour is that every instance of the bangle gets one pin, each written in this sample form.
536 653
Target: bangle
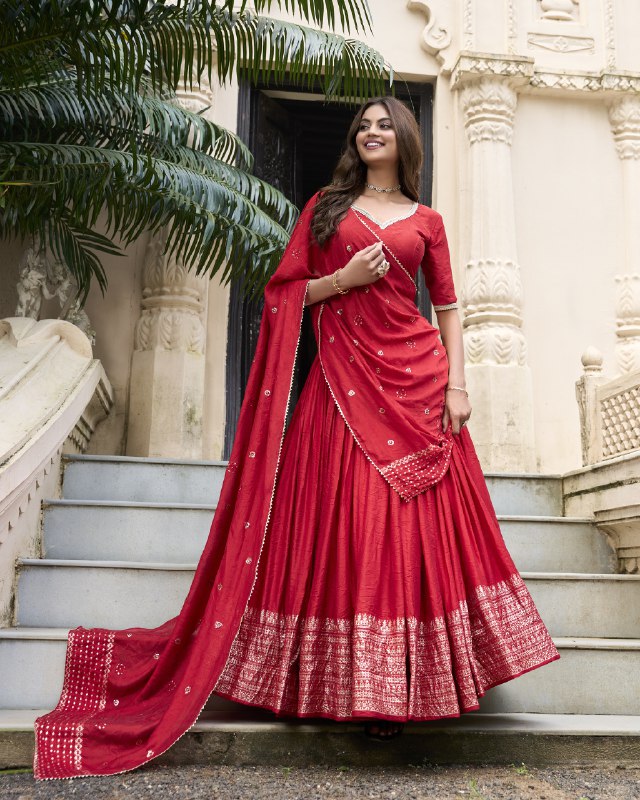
459 388
334 281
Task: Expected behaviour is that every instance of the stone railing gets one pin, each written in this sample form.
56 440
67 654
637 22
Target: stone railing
608 485
52 396
609 411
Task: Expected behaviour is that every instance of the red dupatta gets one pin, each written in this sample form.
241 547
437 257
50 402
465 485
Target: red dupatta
129 695
383 361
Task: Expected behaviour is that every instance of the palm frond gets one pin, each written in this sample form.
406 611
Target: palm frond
78 183
170 42
352 14
90 123
76 247
264 48
56 109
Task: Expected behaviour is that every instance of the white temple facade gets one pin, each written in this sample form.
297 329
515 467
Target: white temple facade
115 420
535 140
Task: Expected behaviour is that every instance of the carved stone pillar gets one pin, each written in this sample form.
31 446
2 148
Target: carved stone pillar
168 367
495 348
586 386
168 371
624 114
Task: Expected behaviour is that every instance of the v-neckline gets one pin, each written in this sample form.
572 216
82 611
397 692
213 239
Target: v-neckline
386 223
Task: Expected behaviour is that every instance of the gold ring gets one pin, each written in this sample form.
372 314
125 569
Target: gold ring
383 268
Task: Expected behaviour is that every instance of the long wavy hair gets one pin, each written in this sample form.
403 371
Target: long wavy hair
350 175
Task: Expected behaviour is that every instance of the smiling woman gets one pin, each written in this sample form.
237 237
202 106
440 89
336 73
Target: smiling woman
387 592
355 568
380 165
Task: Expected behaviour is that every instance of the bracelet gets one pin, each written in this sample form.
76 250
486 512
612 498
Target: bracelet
334 281
459 388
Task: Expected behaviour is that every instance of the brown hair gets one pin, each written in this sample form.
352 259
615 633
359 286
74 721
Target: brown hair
350 174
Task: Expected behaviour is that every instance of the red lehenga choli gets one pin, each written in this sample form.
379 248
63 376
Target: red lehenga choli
355 566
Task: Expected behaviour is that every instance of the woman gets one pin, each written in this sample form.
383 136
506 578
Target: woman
355 567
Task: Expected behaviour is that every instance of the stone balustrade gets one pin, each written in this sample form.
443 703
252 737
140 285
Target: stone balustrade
53 393
607 487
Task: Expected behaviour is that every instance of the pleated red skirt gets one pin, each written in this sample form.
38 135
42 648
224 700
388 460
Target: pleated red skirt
366 605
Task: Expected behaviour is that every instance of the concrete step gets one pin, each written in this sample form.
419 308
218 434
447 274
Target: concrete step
32 669
32 666
524 493
575 683
589 605
161 532
142 479
126 594
125 531
108 594
557 544
198 482
531 739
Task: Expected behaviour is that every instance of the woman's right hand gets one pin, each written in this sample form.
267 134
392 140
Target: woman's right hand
363 267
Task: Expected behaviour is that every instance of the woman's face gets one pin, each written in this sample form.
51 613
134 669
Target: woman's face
376 141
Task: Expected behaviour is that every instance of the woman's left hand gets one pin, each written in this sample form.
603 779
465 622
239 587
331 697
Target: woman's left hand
457 409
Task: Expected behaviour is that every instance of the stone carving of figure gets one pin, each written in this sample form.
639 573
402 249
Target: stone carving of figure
61 285
79 317
31 285
40 280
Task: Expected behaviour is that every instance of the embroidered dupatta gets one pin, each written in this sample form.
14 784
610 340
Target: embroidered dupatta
129 695
383 361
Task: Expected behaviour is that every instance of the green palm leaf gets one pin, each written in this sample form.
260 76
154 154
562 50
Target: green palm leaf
96 119
172 41
90 125
76 183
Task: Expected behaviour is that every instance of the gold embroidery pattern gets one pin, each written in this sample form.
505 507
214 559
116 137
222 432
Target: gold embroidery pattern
81 678
414 473
310 666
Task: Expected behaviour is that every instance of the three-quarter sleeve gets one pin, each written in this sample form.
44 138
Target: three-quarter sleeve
436 267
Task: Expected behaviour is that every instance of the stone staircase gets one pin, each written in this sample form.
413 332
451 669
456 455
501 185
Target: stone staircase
119 551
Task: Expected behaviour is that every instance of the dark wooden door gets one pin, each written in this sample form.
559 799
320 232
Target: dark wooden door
272 139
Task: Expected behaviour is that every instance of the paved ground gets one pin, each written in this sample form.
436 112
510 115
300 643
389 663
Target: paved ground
517 782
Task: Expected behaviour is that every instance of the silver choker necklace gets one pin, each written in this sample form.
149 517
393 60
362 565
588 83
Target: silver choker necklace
381 189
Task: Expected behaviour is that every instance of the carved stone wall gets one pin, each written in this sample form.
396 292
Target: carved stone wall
608 485
437 36
495 346
561 10
167 406
624 115
168 367
173 301
491 54
53 394
609 411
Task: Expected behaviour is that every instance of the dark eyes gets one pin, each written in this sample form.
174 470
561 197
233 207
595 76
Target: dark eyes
364 126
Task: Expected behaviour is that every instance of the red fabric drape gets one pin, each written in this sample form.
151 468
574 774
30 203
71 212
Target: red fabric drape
129 695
